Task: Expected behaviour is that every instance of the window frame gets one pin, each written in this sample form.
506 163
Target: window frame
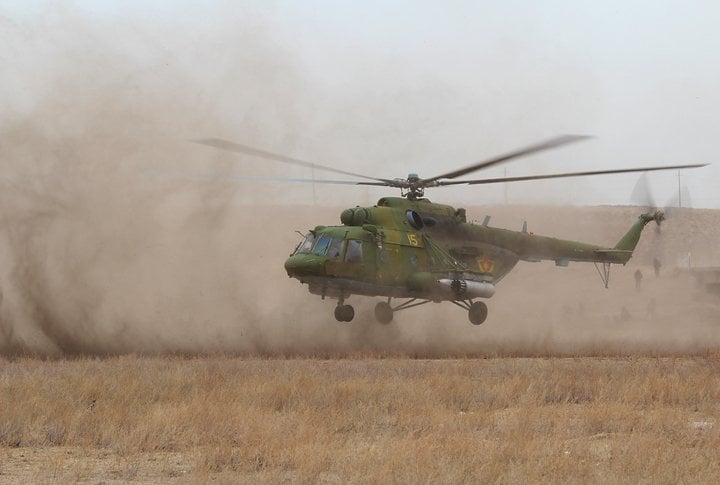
353 251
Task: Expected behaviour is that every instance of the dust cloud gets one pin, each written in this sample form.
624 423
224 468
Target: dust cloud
101 250
105 247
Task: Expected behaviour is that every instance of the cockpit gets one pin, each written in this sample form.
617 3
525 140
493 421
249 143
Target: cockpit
332 247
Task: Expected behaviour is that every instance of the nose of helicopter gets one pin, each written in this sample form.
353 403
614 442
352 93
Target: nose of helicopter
300 265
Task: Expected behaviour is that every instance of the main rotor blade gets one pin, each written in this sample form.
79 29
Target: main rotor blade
238 148
568 174
260 178
538 147
302 181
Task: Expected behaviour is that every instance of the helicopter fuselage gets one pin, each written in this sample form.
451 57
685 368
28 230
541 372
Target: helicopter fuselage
402 248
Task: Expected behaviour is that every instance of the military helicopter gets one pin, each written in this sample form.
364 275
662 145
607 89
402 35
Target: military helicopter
416 251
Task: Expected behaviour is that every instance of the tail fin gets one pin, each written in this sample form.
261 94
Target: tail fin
631 238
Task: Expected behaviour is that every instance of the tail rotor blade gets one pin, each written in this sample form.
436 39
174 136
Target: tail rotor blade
641 194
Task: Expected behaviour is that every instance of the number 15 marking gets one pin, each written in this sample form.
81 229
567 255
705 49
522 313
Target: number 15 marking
412 239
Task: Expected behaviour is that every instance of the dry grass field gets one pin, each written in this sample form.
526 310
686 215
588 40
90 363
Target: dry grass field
614 419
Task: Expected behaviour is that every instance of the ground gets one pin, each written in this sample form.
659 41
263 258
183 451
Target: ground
180 419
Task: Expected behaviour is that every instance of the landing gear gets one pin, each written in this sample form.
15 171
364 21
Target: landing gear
477 313
344 313
383 312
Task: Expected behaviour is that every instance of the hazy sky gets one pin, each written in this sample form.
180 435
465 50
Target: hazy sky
390 87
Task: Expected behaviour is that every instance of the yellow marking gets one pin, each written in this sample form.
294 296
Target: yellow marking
486 265
412 239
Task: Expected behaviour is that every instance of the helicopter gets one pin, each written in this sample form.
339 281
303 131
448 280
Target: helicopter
415 251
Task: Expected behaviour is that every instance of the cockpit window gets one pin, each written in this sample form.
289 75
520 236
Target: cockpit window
306 245
321 246
354 254
335 250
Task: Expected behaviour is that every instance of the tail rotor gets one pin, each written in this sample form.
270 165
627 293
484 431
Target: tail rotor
642 196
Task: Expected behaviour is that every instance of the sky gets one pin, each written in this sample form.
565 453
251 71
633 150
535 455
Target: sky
385 88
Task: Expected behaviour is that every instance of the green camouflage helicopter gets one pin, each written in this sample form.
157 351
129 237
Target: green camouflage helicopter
410 249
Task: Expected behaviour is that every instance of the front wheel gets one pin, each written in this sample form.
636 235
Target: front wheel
477 313
344 313
383 312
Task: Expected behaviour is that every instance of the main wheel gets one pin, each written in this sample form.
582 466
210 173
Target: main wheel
383 312
344 313
477 313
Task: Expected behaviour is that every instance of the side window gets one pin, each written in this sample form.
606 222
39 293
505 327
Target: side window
335 249
321 245
353 254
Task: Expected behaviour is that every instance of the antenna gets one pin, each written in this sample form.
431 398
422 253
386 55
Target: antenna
312 176
679 192
505 187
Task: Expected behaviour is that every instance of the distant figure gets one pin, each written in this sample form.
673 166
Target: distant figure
624 315
638 279
651 309
656 266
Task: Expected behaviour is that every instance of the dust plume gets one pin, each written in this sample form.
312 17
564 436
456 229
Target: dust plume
100 252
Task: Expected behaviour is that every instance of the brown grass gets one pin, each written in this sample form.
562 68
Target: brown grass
621 419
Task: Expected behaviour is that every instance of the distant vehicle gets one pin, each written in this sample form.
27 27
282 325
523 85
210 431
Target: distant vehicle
706 277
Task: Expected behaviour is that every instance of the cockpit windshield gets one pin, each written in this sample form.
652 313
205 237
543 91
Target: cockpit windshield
320 247
306 245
